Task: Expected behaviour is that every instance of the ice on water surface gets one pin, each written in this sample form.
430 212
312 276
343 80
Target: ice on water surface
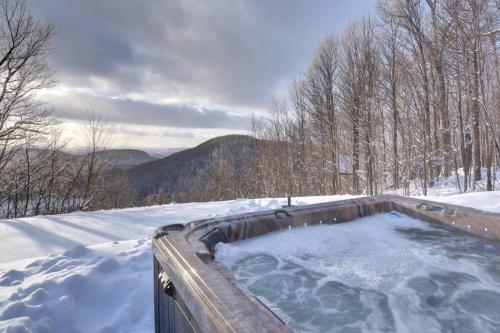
383 273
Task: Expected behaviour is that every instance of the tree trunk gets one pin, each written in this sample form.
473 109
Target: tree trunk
355 154
395 170
476 144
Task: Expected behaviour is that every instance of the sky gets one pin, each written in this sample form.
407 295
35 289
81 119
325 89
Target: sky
174 73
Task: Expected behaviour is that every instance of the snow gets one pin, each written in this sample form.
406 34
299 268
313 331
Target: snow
446 190
450 185
92 272
100 288
486 201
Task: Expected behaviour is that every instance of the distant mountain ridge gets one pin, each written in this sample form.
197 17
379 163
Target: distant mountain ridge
124 158
112 158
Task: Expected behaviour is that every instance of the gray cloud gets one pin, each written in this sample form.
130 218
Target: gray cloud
143 131
234 53
126 111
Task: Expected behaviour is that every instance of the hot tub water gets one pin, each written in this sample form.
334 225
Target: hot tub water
382 273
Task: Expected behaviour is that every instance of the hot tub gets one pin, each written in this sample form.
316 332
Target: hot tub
218 275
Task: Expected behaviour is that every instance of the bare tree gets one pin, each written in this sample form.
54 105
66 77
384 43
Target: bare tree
97 138
24 45
321 78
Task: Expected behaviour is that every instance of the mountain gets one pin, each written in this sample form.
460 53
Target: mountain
111 158
166 173
124 158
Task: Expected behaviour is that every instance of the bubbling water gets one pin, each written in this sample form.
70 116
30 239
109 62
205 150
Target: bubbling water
383 273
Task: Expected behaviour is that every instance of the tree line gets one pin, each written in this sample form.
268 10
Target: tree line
407 95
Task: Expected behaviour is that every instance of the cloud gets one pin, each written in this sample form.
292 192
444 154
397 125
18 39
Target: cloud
230 56
126 111
146 137
133 131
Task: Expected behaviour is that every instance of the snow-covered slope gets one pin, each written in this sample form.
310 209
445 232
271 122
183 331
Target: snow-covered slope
92 272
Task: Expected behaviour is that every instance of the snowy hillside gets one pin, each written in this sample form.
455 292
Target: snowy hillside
92 272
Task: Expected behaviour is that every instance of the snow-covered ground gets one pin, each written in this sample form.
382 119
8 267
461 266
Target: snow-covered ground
487 201
451 185
92 272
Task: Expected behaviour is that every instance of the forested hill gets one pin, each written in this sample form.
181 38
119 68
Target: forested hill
186 170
